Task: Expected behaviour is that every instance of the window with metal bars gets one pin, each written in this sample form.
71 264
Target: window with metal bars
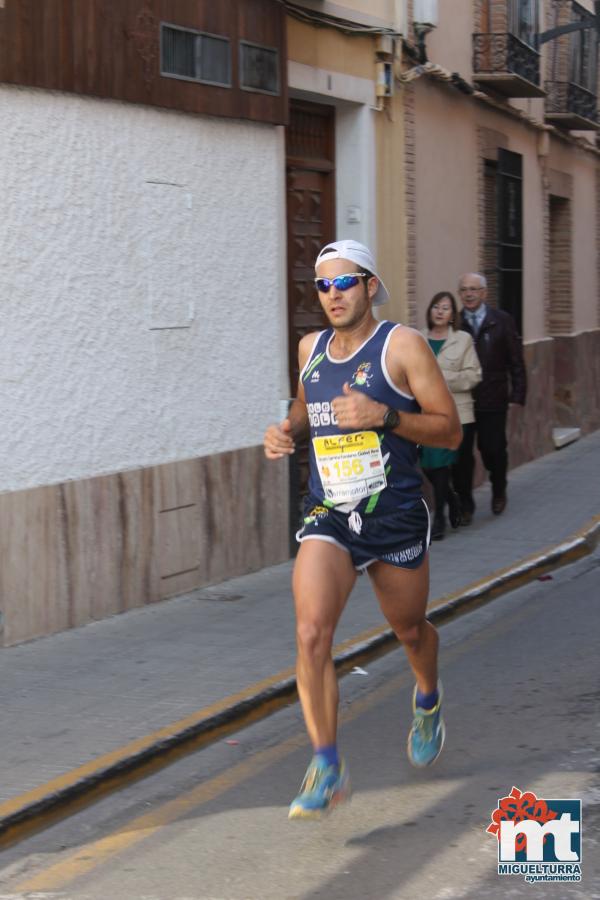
259 68
503 233
509 211
490 233
195 55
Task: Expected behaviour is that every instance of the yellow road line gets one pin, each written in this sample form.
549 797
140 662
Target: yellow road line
72 777
91 855
101 762
94 854
97 852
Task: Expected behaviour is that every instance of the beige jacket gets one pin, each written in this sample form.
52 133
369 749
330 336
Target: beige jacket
460 366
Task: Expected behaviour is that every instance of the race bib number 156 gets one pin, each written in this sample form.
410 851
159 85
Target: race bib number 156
350 465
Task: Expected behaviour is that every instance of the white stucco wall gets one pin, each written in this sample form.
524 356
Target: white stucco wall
355 152
142 289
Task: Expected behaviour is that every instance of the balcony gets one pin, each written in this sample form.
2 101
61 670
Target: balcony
570 106
506 64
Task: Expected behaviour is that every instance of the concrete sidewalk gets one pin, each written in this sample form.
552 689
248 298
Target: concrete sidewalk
68 699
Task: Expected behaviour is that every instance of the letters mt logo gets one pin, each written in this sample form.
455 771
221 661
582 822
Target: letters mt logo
540 839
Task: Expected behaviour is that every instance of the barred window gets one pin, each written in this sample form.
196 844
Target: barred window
195 55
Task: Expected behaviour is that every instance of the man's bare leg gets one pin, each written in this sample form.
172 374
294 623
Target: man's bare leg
323 578
322 581
402 595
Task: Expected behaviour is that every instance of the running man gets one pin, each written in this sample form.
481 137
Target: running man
369 392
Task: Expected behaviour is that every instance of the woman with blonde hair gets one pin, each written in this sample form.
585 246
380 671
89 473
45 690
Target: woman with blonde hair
457 358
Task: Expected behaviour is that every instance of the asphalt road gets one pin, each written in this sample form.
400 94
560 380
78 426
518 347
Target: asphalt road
522 685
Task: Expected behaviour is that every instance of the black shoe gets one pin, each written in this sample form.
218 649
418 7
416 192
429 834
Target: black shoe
438 528
454 512
466 517
498 504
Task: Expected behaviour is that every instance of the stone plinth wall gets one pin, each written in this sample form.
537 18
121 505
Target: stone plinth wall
530 428
86 549
577 380
563 390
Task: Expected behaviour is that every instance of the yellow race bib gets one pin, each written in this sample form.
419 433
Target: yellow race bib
350 465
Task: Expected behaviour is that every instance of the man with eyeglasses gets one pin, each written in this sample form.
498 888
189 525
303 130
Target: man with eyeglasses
503 384
368 393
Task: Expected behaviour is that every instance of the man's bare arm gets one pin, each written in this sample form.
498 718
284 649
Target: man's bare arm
280 440
438 424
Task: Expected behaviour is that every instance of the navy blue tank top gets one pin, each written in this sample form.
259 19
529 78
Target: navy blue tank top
365 370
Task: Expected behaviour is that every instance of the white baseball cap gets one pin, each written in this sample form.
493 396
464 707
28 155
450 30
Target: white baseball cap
358 254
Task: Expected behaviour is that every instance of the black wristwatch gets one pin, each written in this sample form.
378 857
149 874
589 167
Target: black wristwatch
391 418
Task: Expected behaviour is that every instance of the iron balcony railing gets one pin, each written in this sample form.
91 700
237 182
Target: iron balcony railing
568 99
502 54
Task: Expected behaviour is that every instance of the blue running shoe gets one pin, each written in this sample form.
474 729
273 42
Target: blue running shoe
427 734
323 788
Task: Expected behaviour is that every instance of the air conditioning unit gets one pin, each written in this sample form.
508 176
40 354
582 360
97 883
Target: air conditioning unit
425 13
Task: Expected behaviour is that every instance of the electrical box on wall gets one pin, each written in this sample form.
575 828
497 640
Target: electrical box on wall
384 86
384 45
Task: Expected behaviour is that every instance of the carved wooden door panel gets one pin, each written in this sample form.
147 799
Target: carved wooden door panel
310 216
310 224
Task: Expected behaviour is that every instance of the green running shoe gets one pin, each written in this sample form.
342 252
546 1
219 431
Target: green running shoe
426 737
323 788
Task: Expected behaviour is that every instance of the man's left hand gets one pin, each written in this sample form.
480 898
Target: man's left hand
355 410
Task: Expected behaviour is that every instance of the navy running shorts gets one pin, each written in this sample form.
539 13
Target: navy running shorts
400 538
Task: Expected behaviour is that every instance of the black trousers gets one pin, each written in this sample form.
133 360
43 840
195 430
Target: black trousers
490 428
440 481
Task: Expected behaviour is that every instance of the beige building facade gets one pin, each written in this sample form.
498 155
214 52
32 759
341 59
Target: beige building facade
502 173
345 146
479 153
136 473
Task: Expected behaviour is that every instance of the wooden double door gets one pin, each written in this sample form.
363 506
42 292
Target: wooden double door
310 143
310 215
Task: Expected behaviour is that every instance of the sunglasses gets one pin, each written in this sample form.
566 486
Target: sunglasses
340 282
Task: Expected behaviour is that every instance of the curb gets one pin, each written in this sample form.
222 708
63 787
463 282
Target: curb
39 809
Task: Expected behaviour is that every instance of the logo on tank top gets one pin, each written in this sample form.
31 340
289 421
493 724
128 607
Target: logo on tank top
314 378
361 377
320 414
